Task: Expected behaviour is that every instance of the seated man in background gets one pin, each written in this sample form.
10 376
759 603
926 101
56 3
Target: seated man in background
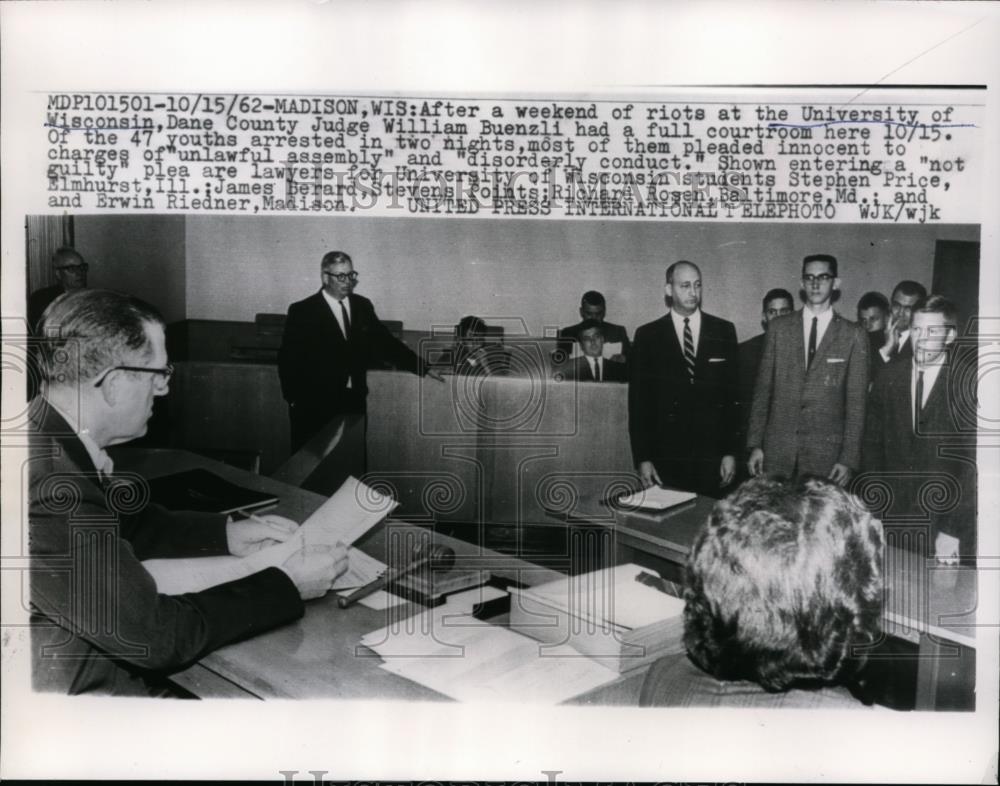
472 354
783 586
71 273
593 307
593 366
99 623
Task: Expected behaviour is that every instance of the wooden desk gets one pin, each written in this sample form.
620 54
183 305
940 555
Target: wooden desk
926 604
319 656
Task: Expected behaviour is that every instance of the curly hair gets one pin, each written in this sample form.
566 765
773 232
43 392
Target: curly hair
783 584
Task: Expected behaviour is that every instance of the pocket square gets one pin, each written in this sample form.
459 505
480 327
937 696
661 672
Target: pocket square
834 360
716 360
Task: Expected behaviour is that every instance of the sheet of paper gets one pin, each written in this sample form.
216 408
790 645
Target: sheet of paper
657 498
472 661
353 510
611 348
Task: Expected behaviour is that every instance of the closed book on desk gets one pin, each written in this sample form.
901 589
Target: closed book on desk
201 490
656 498
614 616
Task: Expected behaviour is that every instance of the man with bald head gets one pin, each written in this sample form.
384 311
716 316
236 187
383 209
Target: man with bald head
683 392
71 274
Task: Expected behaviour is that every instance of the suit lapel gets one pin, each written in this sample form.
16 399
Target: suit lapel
799 361
326 318
830 338
673 342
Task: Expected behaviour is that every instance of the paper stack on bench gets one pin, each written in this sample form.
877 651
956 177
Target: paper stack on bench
613 615
341 518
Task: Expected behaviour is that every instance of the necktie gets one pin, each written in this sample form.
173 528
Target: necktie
812 342
689 349
347 320
597 369
918 401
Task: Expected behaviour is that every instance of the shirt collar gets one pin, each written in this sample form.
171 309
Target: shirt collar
694 320
102 461
822 318
334 303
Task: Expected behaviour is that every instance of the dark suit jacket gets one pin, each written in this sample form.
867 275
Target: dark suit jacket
38 301
750 352
612 371
910 460
672 421
807 421
315 361
100 623
612 334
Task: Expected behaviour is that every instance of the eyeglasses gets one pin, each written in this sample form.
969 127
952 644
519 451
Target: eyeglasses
822 278
83 267
166 372
343 278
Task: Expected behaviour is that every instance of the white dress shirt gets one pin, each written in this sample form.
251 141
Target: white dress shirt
823 321
694 322
334 305
931 372
595 367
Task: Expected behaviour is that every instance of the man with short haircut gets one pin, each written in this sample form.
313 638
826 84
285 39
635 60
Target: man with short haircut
776 303
873 313
808 408
683 392
594 307
71 274
912 436
330 340
99 623
593 366
907 296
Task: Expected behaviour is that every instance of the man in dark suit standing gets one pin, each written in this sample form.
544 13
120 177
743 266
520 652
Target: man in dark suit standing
776 303
330 339
905 297
594 307
100 624
683 391
593 366
912 434
808 408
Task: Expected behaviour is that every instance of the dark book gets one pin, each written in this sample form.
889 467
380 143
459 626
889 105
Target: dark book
201 490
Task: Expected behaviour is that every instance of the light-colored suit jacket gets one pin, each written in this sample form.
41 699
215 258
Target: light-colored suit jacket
807 420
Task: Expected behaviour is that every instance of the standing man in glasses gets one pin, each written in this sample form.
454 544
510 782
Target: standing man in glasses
99 623
808 410
330 339
71 274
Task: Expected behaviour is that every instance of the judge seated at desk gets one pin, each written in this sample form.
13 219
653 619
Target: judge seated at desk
474 351
783 589
99 624
592 366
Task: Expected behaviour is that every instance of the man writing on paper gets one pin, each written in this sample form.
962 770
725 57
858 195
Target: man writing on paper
99 623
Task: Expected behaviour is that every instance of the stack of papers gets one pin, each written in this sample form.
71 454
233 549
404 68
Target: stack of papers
610 615
467 659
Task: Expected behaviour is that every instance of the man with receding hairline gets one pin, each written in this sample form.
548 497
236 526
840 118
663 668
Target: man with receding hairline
71 273
683 392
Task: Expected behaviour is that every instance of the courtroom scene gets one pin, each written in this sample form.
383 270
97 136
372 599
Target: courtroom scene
258 445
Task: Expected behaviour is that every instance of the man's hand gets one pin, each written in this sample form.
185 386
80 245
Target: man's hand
314 568
250 535
727 470
840 474
891 337
946 549
755 465
647 475
433 373
619 358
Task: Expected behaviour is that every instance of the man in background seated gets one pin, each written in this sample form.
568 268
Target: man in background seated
593 366
471 354
783 590
776 303
593 307
99 623
71 273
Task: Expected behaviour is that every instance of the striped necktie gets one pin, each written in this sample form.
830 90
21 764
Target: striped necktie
689 349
